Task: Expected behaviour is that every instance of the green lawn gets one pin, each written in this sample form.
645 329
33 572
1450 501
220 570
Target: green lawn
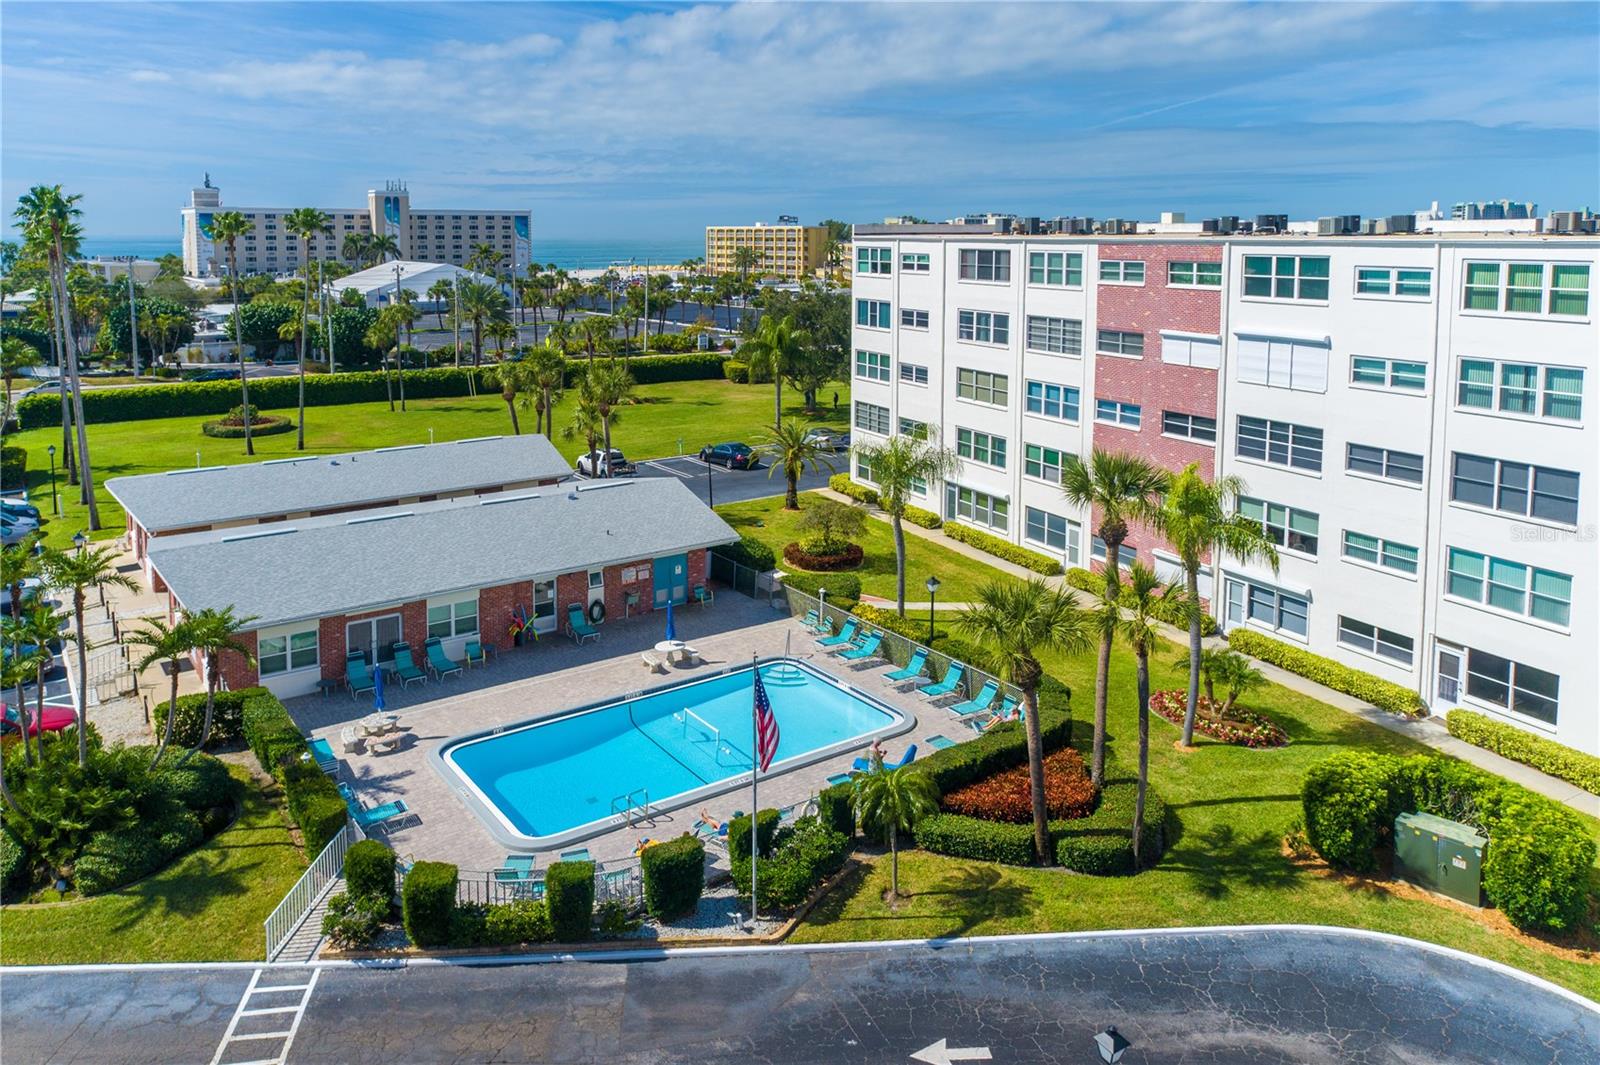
206 906
1226 868
959 577
673 417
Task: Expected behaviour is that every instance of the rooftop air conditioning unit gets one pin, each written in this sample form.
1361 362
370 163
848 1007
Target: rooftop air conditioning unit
1272 223
1402 223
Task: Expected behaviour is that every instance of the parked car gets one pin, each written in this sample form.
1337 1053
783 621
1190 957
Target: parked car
13 507
48 388
733 456
16 530
30 589
828 439
612 464
216 375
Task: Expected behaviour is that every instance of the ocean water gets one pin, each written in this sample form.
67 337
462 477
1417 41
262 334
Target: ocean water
581 254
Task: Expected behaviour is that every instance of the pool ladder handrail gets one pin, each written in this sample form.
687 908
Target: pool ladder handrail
623 806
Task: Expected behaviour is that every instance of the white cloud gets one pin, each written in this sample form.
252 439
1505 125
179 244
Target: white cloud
157 76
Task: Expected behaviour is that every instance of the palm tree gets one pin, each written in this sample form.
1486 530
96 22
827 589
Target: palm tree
1137 621
1200 517
35 628
441 292
48 218
516 379
776 347
585 423
213 633
531 289
548 373
88 569
895 799
384 334
745 259
1014 620
16 355
169 643
382 245
904 463
792 451
355 247
479 302
305 223
595 330
1120 488
228 227
610 386
501 331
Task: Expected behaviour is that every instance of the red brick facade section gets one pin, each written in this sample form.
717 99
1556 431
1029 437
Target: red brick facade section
617 588
497 606
237 672
570 588
699 568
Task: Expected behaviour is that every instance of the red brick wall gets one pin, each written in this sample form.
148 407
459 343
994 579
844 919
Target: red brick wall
497 605
330 633
617 589
571 588
699 567
330 646
237 672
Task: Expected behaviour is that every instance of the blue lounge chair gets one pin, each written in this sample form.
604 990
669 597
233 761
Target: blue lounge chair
810 620
518 867
322 754
912 670
357 677
939 743
838 778
867 648
978 703
579 855
377 816
862 765
405 667
442 666
578 626
477 653
702 594
844 636
952 681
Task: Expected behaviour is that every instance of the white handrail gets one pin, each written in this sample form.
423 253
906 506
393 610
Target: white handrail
286 920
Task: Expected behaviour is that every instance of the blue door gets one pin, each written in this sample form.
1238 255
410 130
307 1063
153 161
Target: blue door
671 579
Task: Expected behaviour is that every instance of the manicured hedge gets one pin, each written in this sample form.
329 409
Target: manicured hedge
841 483
369 869
1537 864
569 892
202 783
739 834
911 628
270 732
1003 746
264 425
844 589
227 717
1095 584
805 856
1520 745
748 552
968 837
1383 694
427 900
1003 549
925 518
836 806
737 371
1008 794
964 651
13 469
15 866
849 558
674 875
1101 844
314 803
510 923
657 369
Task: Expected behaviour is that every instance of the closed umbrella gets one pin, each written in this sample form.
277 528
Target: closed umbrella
672 633
377 688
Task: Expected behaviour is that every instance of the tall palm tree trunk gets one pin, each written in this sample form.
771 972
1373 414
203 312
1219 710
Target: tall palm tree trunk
83 680
172 713
1041 824
899 564
777 398
23 721
791 498
894 862
511 405
399 368
1192 585
1103 663
69 457
85 470
1143 654
305 312
238 348
605 436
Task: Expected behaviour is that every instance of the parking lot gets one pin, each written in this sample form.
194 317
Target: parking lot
717 485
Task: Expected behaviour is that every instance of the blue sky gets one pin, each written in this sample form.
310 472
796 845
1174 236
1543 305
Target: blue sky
611 120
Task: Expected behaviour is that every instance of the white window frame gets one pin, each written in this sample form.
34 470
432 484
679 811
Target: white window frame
1388 368
912 373
915 262
1129 272
874 260
1194 271
979 327
1278 522
1071 533
1297 280
873 366
1392 281
997 508
1547 289
1116 343
287 635
986 449
1119 417
1070 263
1062 401
872 411
1191 435
1372 645
1381 554
994 379
998 263
453 616
1288 430
872 309
1526 589
919 319
1542 393
1069 329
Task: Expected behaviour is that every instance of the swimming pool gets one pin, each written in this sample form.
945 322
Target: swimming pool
544 783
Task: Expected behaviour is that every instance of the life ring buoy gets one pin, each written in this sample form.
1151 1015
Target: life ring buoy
597 611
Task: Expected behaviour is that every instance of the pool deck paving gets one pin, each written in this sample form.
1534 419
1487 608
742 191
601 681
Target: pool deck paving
554 675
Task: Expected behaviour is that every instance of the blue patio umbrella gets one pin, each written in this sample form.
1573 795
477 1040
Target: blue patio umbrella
377 688
672 633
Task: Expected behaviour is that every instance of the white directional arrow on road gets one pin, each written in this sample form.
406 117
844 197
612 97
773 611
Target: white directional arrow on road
942 1054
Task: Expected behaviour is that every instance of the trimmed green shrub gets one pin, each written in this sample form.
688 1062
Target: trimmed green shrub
739 834
201 783
270 732
1383 694
748 552
427 900
1350 806
736 371
227 717
521 921
13 469
658 369
116 332
1095 584
468 925
844 589
569 892
674 875
1003 746
353 920
264 425
1520 745
841 483
925 518
836 808
911 628
964 651
117 857
993 545
16 866
314 803
969 837
369 869
1101 844
808 854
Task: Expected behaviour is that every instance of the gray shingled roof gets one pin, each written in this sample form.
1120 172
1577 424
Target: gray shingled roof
182 498
323 566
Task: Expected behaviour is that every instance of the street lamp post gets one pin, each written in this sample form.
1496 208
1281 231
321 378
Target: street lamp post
55 504
79 540
933 592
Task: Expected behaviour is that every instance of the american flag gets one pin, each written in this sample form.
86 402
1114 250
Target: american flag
766 726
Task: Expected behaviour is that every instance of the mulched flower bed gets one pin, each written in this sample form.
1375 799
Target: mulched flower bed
1242 728
849 558
1006 796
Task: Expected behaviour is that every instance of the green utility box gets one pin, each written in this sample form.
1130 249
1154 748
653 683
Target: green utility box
1440 855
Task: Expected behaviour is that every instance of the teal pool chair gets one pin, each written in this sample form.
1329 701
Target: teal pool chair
477 653
437 661
952 681
405 667
581 854
357 677
978 703
578 626
844 636
939 743
383 818
861 765
322 754
913 669
867 648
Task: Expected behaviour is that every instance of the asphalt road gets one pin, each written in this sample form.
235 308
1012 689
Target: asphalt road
427 337
1311 996
717 485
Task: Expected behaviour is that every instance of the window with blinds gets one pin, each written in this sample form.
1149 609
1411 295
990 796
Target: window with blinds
1283 362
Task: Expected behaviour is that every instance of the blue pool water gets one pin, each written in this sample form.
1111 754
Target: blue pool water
556 780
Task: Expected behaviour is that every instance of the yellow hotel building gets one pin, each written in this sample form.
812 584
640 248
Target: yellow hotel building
790 251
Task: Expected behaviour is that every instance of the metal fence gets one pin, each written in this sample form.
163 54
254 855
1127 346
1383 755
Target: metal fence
620 881
285 921
757 584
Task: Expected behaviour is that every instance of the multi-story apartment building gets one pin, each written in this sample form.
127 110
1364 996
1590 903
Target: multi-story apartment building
789 251
1414 419
435 236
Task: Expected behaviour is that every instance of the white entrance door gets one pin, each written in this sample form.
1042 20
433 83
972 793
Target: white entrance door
544 606
374 637
1449 670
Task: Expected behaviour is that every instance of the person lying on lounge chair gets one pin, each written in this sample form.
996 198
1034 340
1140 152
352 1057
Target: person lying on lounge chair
710 822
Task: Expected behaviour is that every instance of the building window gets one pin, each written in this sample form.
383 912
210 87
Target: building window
914 262
1380 552
1376 641
1397 374
985 264
872 418
874 314
1053 531
1521 388
864 470
1186 349
980 508
1122 271
981 447
872 366
1394 282
1527 288
1058 336
1053 401
913 428
1127 554
980 386
1515 488
1280 443
1383 462
1512 685
1283 362
1510 586
1286 277
1041 462
1055 268
983 327
1295 530
912 319
874 261
912 374
1117 342
1274 609
459 618
1198 275
1189 426
287 652
1116 412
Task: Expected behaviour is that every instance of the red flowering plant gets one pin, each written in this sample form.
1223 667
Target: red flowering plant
1235 725
1007 796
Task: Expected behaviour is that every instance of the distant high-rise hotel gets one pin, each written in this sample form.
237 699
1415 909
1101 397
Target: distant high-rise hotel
787 249
438 236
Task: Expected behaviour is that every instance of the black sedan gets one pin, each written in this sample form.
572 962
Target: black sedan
733 456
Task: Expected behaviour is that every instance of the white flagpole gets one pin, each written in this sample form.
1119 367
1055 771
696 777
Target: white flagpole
755 806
